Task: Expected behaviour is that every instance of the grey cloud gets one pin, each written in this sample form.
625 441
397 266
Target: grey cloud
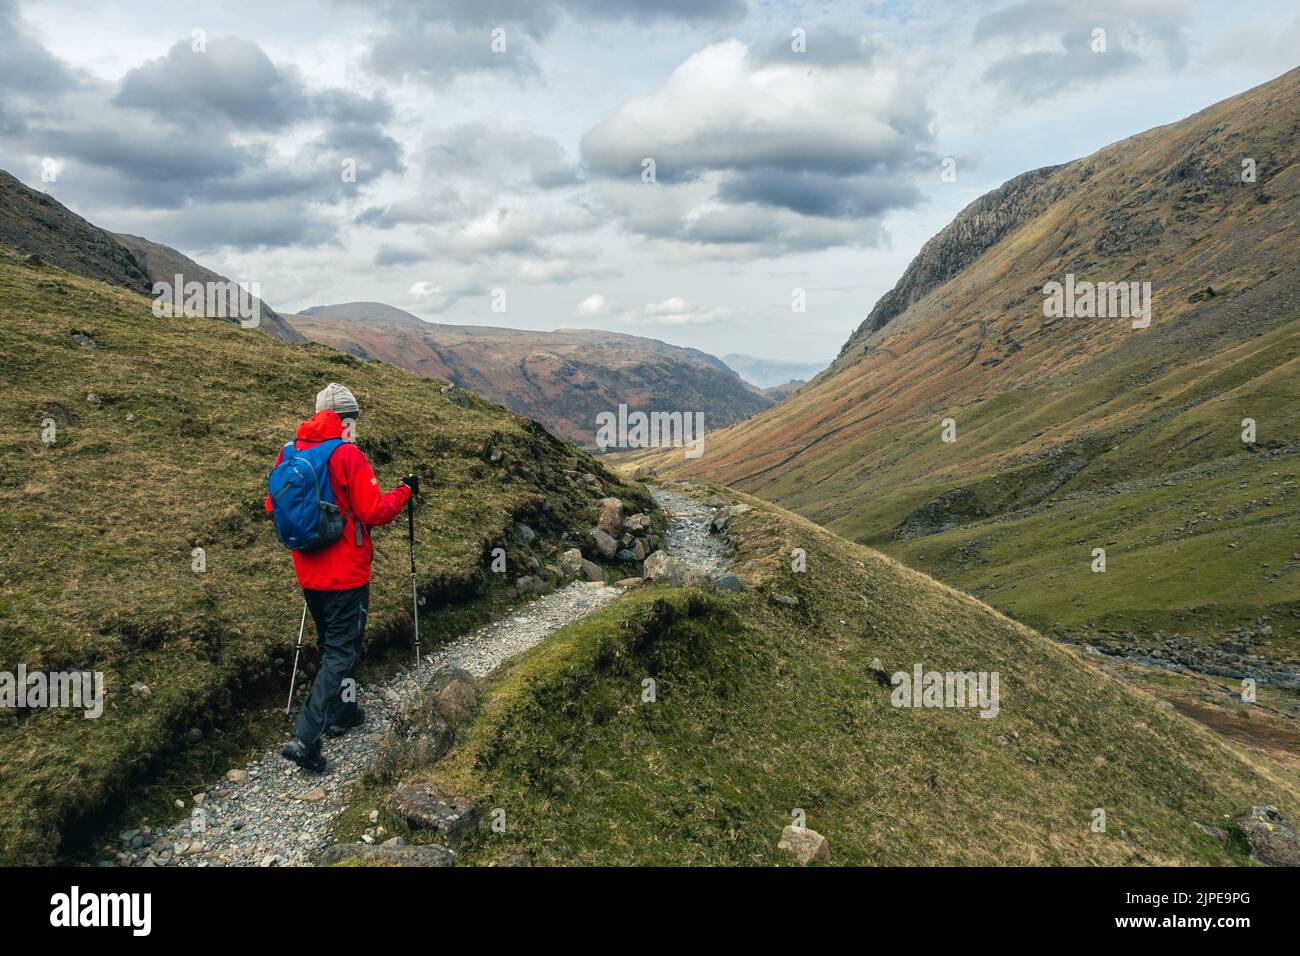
232 81
818 194
207 227
1132 30
824 46
25 65
397 256
816 166
436 52
435 41
508 156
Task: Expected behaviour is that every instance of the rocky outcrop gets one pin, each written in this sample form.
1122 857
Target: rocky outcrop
977 227
1272 841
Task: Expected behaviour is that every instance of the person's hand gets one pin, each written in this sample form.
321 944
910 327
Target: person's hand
412 481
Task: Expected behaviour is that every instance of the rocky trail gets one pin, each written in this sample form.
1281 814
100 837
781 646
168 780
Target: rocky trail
271 813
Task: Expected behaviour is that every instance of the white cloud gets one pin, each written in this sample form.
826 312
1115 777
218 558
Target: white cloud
594 304
678 311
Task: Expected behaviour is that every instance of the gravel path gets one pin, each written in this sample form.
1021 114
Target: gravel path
688 536
271 813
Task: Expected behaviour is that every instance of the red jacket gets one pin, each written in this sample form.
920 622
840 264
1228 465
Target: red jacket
343 565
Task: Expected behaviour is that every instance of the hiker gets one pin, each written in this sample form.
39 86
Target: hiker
327 524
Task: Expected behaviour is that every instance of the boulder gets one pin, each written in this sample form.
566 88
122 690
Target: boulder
636 524
391 855
571 563
525 534
716 501
628 583
1272 841
591 571
528 584
516 859
455 694
662 568
786 599
425 806
626 556
808 846
605 544
611 516
424 729
638 549
719 522
643 472
728 582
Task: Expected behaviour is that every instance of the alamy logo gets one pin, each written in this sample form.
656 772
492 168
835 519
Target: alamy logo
950 689
103 909
651 430
1102 300
213 300
79 690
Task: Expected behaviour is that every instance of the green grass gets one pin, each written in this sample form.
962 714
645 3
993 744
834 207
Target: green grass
1169 569
98 529
763 708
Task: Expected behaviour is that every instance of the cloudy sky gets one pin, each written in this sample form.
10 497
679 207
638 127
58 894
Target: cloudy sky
503 144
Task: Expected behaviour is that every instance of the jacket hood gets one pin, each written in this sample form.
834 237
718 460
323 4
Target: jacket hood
321 427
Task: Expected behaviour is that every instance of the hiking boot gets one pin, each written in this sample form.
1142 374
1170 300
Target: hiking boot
309 758
338 730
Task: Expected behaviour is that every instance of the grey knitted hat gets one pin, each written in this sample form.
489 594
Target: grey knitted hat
336 398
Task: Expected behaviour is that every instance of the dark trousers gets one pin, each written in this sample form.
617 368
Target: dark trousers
340 618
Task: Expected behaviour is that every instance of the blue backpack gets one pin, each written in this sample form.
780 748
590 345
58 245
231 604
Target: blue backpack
302 499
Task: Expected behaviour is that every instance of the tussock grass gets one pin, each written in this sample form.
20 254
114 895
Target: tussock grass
98 528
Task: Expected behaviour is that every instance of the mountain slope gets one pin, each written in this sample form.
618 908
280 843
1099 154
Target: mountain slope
164 431
761 707
563 379
1075 433
36 223
163 264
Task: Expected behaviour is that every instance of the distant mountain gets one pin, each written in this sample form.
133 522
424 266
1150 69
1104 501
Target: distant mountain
785 390
376 313
563 379
767 373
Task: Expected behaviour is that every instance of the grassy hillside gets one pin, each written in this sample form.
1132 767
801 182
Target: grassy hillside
762 707
165 432
1078 433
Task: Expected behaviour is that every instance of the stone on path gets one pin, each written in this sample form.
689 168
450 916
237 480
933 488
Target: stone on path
571 563
365 855
808 846
425 806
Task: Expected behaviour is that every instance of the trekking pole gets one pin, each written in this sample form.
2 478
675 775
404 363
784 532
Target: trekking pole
294 676
415 597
